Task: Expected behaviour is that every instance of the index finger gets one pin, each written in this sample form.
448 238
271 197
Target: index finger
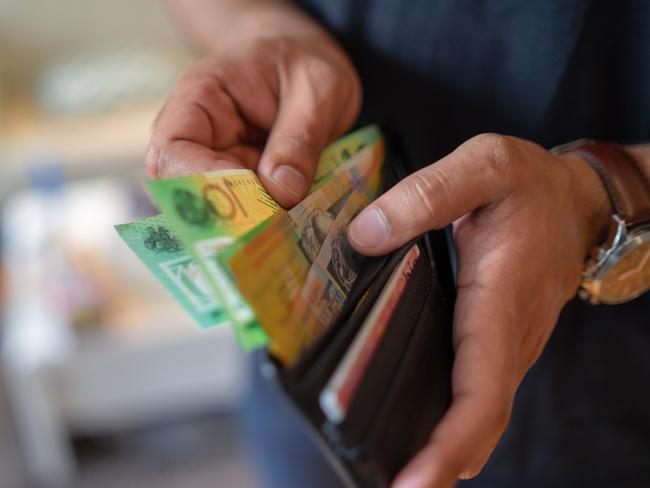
200 129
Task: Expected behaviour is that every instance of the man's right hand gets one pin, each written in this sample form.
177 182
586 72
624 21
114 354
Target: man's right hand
271 104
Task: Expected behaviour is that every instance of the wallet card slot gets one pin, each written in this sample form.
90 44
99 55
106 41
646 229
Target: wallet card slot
420 395
380 372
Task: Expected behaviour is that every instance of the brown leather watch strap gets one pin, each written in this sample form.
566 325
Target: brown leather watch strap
627 185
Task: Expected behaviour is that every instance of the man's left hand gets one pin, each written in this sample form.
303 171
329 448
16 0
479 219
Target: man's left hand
524 222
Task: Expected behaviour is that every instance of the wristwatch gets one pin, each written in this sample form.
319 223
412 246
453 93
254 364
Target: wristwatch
618 269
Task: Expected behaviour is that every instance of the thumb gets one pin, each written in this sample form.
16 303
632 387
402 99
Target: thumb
305 123
431 198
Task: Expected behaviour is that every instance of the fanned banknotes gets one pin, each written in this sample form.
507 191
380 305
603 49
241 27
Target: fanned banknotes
270 265
330 277
217 213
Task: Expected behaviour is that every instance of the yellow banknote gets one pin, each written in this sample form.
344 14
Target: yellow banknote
270 269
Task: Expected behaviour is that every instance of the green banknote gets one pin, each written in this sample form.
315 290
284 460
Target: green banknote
158 247
208 212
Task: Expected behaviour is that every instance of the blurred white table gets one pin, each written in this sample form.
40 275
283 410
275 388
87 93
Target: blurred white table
156 365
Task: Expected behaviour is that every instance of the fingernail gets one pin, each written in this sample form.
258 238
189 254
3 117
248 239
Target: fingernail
468 474
291 180
370 228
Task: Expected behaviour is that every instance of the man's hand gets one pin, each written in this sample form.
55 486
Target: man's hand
524 221
269 104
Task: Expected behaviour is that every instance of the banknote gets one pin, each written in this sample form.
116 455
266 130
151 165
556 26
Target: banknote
330 277
209 211
160 249
269 266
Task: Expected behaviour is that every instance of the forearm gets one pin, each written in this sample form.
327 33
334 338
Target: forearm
218 24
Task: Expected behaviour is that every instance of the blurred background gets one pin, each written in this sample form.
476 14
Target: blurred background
103 379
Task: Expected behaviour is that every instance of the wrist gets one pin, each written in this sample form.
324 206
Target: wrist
608 179
592 202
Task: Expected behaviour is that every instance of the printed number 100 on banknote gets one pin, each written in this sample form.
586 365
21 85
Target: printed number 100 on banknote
209 212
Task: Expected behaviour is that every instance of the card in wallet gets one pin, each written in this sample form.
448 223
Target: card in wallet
374 386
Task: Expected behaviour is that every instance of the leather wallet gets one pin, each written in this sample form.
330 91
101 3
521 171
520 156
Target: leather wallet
405 386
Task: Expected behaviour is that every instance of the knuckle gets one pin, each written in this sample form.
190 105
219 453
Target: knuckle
200 90
320 68
501 153
315 62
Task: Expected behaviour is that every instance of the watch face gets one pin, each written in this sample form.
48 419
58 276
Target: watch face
628 276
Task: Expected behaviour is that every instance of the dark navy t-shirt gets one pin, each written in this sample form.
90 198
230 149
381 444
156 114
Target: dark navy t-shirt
441 71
